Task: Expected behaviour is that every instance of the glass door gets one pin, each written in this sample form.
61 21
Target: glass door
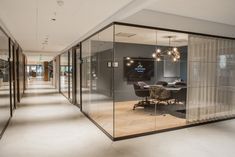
70 74
12 79
4 81
15 82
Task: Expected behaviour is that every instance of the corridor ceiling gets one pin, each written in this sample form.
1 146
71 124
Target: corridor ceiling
49 26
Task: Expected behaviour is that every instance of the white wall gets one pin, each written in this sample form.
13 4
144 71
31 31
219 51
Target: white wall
170 21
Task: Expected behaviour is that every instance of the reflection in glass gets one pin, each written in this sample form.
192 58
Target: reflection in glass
78 88
4 81
64 74
147 96
71 74
97 100
127 89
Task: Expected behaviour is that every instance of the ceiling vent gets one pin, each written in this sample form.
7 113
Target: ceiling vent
126 35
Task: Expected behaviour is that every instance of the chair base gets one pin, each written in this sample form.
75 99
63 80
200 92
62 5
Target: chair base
143 103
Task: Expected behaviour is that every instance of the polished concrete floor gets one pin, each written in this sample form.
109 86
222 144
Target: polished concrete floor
46 125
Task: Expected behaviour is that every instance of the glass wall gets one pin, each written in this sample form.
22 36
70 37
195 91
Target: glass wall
78 77
12 76
137 80
64 74
4 81
14 71
71 74
97 79
149 84
20 70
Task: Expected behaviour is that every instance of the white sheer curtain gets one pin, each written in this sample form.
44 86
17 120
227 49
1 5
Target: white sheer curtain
211 78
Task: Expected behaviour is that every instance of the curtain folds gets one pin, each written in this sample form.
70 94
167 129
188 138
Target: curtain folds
211 78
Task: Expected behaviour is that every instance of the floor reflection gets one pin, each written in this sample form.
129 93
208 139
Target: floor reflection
128 121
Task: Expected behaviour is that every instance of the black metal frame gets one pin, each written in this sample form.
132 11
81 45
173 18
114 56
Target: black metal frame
151 132
10 94
74 99
172 129
17 73
75 75
104 131
14 76
171 30
11 60
11 71
68 59
5 127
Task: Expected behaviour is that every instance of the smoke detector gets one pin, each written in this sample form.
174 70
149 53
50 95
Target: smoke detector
60 3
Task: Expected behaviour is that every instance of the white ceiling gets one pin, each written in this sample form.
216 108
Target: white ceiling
149 36
29 21
221 11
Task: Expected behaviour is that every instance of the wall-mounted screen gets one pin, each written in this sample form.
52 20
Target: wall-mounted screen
138 69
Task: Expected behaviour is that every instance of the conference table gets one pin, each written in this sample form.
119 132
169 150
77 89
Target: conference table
166 87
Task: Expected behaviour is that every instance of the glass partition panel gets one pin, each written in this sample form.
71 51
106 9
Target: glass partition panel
211 73
78 77
12 79
64 74
133 53
20 73
4 81
71 74
97 78
150 80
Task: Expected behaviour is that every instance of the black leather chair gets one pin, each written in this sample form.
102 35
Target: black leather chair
180 96
180 84
163 83
142 92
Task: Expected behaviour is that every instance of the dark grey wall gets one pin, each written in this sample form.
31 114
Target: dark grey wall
104 73
123 89
183 62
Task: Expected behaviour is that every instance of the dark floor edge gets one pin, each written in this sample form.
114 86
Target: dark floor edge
104 131
66 97
170 129
157 131
5 128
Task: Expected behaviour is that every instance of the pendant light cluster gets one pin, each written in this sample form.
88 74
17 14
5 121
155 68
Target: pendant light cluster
130 61
171 51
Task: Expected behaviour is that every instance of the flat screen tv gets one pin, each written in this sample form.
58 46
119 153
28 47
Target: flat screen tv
138 69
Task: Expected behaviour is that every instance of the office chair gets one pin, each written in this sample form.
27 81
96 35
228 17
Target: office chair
163 83
142 92
180 84
180 96
160 94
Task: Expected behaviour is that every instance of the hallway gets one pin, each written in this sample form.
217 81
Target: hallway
47 125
